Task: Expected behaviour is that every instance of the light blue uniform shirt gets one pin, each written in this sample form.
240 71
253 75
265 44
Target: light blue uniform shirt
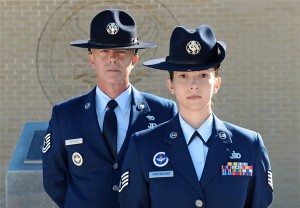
122 112
197 149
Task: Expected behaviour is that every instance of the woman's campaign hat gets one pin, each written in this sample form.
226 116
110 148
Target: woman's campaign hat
113 29
191 50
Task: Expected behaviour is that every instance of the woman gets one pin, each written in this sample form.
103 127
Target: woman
195 159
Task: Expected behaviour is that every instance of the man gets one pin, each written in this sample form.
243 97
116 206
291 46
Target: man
195 159
82 152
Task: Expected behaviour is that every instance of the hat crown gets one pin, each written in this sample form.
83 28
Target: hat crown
113 27
192 46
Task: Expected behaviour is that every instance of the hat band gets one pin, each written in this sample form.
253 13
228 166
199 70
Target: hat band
133 42
188 62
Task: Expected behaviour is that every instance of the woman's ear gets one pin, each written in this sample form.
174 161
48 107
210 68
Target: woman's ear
217 85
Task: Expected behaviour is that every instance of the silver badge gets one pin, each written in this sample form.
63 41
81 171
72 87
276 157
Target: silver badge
173 135
47 143
222 135
193 47
87 105
112 28
77 159
141 106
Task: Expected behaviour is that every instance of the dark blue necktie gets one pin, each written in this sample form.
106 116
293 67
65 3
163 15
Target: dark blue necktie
110 127
196 134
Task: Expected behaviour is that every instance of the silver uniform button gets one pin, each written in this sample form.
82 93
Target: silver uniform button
115 166
115 187
198 203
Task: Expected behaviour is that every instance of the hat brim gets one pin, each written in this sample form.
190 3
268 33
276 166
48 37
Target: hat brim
87 44
161 63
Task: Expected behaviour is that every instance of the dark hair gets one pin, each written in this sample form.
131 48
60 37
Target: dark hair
215 68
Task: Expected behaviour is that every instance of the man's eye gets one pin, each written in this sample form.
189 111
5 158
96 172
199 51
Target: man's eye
182 76
102 51
204 76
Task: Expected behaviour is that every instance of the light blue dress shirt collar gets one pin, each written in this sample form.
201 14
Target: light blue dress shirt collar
204 130
123 100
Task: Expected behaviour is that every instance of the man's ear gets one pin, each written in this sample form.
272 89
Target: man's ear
135 59
170 86
91 59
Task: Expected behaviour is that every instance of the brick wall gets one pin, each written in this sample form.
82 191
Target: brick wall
260 75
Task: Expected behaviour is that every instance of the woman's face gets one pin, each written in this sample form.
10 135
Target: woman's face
194 89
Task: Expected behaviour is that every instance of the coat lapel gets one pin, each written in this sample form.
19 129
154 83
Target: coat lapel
139 107
178 153
218 154
89 123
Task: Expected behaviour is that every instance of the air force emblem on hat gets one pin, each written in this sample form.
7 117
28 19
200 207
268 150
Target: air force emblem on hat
193 47
112 28
77 159
160 159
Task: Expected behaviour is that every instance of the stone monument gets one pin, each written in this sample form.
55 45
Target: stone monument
24 182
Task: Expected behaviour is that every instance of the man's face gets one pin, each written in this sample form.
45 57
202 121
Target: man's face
112 67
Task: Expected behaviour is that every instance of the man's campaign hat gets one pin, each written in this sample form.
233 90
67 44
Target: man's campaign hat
191 50
113 29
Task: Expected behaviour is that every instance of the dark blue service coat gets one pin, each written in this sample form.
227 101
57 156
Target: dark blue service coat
78 169
158 170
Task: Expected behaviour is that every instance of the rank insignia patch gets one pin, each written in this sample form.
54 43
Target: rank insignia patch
270 178
47 143
237 169
124 181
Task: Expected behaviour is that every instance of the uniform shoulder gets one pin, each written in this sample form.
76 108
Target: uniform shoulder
241 132
72 103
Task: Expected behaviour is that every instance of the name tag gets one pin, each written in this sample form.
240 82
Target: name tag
161 174
73 141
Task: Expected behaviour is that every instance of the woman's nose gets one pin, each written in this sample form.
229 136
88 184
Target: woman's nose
194 84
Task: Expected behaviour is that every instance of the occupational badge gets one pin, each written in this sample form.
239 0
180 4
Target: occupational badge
160 159
77 159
